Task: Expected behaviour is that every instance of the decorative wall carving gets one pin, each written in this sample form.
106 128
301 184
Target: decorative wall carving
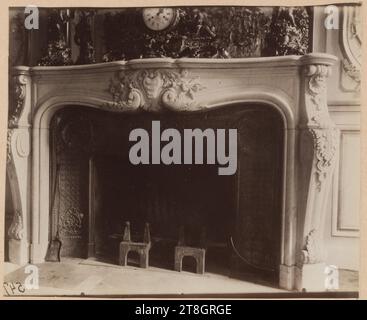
353 72
351 44
325 142
16 228
320 124
311 252
152 89
318 144
8 145
18 90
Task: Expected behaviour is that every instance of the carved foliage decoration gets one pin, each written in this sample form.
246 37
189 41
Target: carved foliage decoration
16 228
353 72
323 130
311 252
8 145
152 89
325 142
18 93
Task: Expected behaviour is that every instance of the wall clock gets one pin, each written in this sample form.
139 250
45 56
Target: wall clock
158 19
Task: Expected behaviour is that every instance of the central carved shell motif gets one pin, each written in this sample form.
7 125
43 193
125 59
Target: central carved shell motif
154 89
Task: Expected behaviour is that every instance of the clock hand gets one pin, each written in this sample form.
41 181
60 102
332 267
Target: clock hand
160 10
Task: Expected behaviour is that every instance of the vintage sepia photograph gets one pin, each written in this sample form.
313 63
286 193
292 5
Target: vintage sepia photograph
184 151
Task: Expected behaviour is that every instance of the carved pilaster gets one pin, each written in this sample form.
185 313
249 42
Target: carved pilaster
318 154
18 149
154 90
323 130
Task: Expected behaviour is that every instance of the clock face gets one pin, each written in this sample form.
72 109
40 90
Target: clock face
158 19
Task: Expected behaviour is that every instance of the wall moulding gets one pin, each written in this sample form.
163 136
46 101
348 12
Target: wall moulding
294 85
351 45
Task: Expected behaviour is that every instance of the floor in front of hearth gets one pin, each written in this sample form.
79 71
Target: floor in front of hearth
89 277
75 277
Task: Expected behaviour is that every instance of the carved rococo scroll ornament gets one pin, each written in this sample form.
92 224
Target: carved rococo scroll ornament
317 86
351 44
325 142
353 72
153 89
323 130
16 228
18 95
311 253
22 143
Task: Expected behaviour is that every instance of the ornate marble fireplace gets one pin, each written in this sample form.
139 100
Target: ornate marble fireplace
293 86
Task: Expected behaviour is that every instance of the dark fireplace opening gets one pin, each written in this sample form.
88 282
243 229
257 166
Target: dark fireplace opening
167 197
96 190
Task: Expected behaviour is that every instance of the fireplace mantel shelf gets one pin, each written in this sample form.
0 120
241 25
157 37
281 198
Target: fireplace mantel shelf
294 85
262 62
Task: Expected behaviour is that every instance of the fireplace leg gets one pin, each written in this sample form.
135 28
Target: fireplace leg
18 252
286 277
318 153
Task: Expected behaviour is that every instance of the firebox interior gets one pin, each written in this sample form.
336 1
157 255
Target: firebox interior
237 218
